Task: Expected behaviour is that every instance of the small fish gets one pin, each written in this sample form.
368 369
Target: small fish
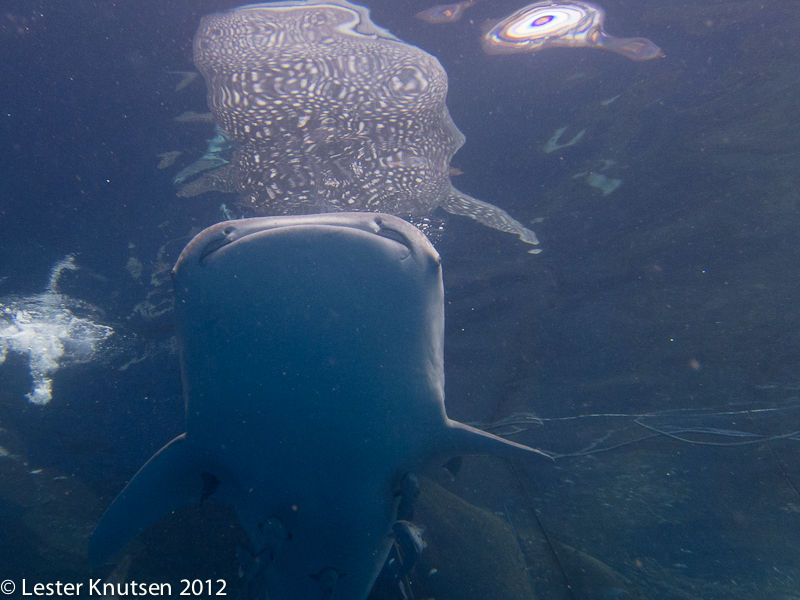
167 158
408 538
187 77
570 24
191 116
445 13
408 493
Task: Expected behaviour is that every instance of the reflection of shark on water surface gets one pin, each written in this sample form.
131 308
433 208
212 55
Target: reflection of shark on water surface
312 360
329 112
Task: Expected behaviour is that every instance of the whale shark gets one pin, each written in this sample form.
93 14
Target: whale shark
329 112
311 352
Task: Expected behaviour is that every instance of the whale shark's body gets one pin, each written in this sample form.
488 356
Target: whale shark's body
312 359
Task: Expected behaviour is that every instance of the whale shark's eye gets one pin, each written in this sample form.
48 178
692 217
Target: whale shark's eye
212 247
394 235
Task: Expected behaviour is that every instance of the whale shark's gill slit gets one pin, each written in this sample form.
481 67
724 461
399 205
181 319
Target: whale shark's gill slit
212 247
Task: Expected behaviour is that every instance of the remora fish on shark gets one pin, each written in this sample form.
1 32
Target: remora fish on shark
330 112
312 360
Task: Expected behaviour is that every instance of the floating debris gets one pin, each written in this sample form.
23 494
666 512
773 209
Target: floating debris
603 183
46 329
135 267
514 423
552 144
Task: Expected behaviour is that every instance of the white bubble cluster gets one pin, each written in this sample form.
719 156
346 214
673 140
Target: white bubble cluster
46 329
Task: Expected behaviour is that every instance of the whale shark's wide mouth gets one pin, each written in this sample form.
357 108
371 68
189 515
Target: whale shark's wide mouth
231 232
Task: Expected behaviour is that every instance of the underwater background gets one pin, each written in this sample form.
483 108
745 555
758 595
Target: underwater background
653 345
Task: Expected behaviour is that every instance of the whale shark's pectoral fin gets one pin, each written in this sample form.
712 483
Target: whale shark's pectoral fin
465 440
170 480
